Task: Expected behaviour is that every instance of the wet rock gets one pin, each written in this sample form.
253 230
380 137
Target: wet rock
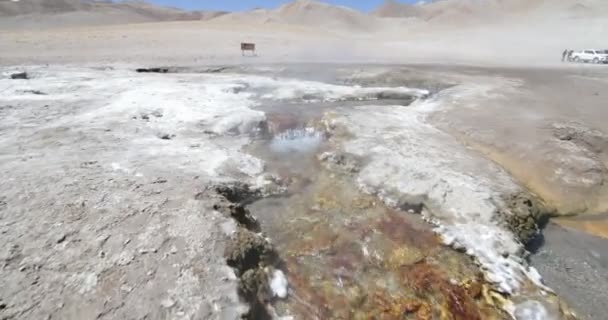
240 214
404 256
405 99
355 296
342 162
248 250
20 75
252 256
363 202
473 288
526 215
238 192
254 285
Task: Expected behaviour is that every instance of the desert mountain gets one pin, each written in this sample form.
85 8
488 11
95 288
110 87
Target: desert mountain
485 10
394 9
46 13
308 13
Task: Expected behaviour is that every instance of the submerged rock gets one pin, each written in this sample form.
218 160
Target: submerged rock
343 162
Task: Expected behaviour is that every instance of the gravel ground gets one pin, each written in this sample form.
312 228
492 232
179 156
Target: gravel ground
575 265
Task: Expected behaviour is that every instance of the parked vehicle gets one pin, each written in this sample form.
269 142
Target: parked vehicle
594 56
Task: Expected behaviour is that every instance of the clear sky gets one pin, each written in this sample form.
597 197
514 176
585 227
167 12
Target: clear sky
239 5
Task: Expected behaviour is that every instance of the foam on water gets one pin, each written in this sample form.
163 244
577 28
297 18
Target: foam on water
297 140
278 284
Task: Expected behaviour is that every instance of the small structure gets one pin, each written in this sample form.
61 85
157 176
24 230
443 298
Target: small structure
247 47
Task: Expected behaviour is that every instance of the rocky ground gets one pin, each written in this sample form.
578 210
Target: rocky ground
125 194
100 216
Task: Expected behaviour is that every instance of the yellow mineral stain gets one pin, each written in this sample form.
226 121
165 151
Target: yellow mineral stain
597 228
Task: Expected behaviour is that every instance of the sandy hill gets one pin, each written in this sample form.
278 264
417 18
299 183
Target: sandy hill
455 10
308 13
394 9
61 13
468 11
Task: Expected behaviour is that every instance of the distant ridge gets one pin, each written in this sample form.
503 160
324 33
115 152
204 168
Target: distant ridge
89 12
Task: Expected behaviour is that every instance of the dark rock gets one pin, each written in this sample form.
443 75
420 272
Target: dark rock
248 250
238 192
254 285
388 95
20 75
240 214
215 70
36 92
62 238
152 70
527 215
166 136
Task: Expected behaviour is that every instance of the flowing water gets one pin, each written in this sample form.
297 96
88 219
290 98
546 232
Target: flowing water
346 255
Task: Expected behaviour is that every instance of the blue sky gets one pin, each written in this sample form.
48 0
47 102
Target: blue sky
239 5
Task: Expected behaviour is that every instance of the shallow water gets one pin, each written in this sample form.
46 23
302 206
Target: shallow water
346 255
299 140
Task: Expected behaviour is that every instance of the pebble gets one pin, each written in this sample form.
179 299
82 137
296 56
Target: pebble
126 288
165 136
62 238
167 303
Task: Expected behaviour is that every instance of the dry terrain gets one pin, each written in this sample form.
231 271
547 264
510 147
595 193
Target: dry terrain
368 145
